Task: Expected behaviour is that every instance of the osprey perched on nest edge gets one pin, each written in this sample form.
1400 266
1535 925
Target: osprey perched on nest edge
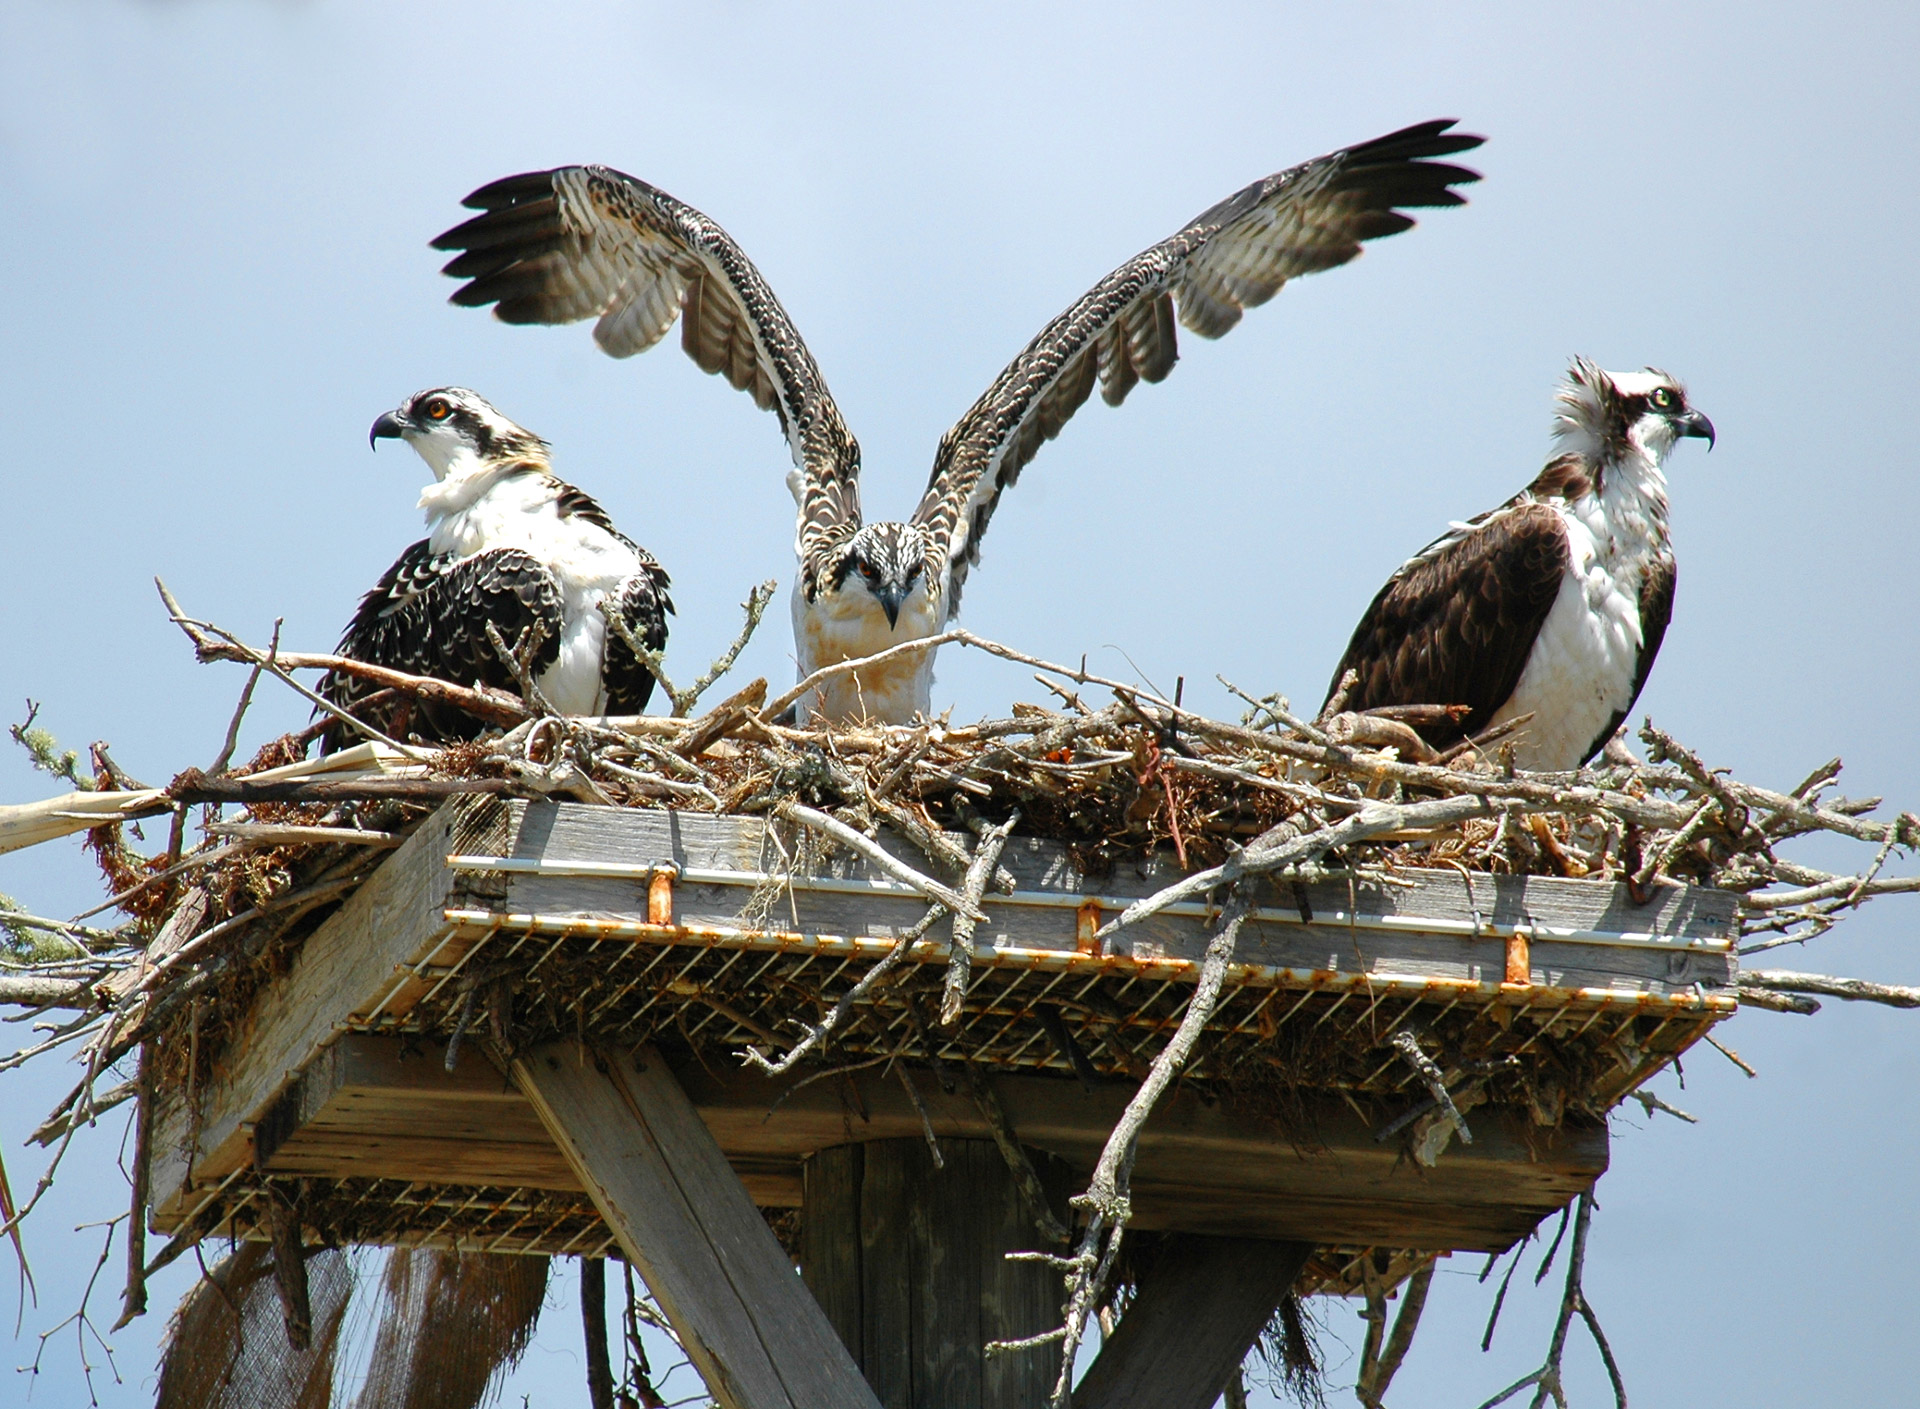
512 544
589 242
1552 605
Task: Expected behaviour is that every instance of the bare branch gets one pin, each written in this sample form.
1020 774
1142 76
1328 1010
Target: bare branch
837 1014
1852 989
199 630
886 861
1547 1380
986 857
225 755
1025 1177
1377 1372
778 705
1290 849
683 701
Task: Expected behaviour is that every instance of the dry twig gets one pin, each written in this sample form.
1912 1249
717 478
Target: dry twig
1546 1381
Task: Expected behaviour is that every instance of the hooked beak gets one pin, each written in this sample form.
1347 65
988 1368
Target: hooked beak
388 427
1695 424
890 600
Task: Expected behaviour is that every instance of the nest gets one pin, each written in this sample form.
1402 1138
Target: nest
1238 814
1353 795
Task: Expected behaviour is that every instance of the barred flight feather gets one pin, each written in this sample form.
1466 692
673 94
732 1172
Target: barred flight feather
577 242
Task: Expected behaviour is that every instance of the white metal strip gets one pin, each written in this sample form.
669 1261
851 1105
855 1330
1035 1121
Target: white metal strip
1154 968
1057 900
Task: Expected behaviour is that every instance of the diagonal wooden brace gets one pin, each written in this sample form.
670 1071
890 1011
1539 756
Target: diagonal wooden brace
1197 1312
687 1225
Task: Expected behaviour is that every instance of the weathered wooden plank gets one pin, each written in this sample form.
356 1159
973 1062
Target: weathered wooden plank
1325 948
830 1241
1198 1307
380 927
920 1251
944 1208
562 832
364 1110
1014 1303
1690 924
886 1267
753 1331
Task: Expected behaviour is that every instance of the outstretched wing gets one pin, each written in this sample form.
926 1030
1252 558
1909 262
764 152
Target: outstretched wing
590 242
1234 257
1455 625
428 616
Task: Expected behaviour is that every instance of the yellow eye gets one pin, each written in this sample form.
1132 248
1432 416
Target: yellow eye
438 410
1664 399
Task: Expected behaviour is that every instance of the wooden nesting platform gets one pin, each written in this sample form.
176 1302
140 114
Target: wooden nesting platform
1543 1001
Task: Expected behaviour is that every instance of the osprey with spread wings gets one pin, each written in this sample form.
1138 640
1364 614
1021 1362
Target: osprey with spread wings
588 242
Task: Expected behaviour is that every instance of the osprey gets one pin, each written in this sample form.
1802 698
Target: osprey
1552 605
589 242
511 544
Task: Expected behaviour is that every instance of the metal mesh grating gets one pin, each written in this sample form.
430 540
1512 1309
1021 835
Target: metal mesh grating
644 983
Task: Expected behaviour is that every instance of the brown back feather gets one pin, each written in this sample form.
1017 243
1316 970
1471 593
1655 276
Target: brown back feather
1456 627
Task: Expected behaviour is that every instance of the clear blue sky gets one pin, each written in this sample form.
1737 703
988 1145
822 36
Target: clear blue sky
213 220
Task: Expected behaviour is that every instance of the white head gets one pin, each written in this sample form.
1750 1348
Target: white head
886 560
457 433
1604 417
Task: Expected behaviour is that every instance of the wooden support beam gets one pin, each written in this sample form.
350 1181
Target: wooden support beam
1199 1306
909 1263
374 1108
685 1222
359 952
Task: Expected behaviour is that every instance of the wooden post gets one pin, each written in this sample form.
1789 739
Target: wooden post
593 1322
908 1262
1199 1306
686 1224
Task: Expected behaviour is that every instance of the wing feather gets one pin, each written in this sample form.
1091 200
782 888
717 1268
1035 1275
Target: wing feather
1235 256
1455 625
427 616
582 242
644 602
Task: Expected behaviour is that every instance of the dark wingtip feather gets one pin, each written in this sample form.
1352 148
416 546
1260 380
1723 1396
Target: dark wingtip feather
509 189
477 264
506 225
474 295
1435 138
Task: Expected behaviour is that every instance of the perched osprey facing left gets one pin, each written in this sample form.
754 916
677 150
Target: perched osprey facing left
589 242
508 543
1552 605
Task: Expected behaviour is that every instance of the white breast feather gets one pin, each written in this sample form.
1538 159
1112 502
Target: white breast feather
849 624
587 562
1581 670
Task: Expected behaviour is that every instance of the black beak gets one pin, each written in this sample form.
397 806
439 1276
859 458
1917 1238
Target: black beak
388 427
1695 424
890 600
